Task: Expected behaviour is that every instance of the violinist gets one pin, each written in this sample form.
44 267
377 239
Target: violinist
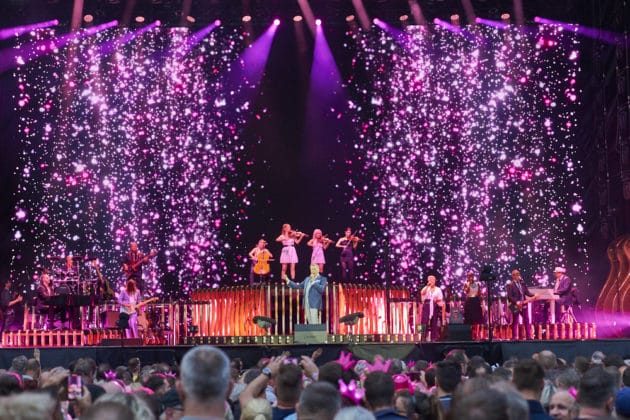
320 244
288 256
259 256
347 244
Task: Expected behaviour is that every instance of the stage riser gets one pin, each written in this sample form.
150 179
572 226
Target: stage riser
78 338
65 338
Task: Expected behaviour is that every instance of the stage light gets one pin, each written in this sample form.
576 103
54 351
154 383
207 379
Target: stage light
318 22
505 17
190 19
217 22
297 18
350 18
247 18
351 319
88 18
276 22
263 321
139 19
376 21
158 23
404 21
455 19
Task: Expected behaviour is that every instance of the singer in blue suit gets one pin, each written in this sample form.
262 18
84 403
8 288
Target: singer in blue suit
313 286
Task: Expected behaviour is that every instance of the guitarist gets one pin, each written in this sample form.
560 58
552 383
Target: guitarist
517 294
132 264
128 300
259 256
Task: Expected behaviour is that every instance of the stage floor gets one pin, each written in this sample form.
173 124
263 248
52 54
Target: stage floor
493 352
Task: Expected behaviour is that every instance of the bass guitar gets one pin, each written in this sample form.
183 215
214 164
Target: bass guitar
133 268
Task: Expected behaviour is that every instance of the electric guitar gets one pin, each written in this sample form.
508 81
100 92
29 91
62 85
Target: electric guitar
132 307
132 268
517 307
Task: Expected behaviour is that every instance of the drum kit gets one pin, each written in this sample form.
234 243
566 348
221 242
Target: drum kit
74 275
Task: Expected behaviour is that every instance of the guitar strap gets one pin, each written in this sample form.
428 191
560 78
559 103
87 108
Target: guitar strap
520 290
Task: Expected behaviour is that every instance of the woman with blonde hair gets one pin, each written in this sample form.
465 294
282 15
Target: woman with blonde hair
256 409
288 256
319 243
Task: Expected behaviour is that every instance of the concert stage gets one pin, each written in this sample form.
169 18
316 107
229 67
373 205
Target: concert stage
494 352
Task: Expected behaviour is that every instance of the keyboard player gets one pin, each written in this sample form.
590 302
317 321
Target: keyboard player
50 302
43 306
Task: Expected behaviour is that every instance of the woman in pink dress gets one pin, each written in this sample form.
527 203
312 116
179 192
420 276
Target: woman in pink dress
288 256
319 244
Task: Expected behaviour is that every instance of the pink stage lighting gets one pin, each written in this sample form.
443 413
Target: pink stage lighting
318 22
276 22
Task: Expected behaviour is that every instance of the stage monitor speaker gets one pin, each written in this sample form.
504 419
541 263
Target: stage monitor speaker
122 342
109 319
459 332
310 334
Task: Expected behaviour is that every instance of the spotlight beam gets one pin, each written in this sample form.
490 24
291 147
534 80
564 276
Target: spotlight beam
307 12
593 33
186 6
77 14
109 47
196 38
364 19
519 15
11 58
493 23
470 12
19 30
416 12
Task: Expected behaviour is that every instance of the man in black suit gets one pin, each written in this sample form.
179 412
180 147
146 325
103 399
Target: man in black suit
517 293
562 288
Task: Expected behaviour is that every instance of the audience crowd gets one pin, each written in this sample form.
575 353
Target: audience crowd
206 384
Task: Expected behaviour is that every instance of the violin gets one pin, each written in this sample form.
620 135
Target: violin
293 233
326 240
356 239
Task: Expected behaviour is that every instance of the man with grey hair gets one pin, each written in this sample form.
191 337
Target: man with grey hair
204 383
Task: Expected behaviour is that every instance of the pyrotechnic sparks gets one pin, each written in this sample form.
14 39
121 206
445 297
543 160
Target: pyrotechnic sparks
466 150
142 144
464 154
